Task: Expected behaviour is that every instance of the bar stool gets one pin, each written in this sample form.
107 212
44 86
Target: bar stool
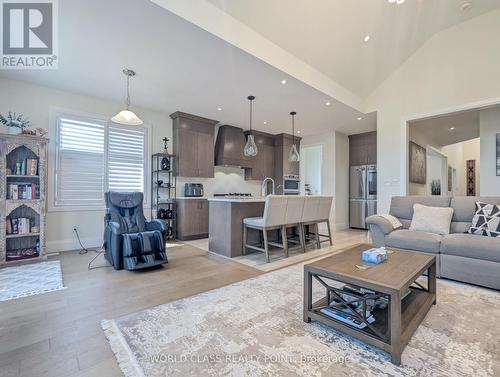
316 211
274 218
309 216
293 218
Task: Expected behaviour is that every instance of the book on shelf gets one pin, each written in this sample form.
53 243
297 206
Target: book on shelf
31 166
24 191
21 225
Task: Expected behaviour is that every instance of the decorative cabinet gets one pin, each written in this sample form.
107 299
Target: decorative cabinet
262 165
23 176
193 144
192 218
363 149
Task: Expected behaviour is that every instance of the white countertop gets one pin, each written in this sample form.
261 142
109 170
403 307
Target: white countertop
190 197
254 199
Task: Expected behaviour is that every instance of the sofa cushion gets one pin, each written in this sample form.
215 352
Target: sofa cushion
471 246
464 207
402 206
412 240
431 219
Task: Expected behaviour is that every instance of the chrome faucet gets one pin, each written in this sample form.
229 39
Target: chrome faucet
263 189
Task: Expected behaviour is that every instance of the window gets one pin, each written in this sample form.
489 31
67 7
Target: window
94 156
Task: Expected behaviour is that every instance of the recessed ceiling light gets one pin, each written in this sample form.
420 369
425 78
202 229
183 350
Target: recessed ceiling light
328 103
452 128
265 122
219 109
360 118
283 82
400 1
367 38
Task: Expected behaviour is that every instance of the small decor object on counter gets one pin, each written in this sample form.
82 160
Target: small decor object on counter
15 123
374 256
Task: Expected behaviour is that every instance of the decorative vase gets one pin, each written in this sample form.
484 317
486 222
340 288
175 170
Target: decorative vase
13 130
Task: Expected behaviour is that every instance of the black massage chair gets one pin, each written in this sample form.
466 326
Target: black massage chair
130 241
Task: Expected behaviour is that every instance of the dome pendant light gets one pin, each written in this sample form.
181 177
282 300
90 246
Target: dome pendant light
126 116
250 149
293 155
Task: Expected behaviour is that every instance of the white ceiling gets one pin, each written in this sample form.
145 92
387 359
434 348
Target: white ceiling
180 67
328 34
465 124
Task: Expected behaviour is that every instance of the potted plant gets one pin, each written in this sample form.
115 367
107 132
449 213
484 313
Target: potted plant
14 123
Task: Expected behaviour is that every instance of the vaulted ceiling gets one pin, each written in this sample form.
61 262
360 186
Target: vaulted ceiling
329 34
198 55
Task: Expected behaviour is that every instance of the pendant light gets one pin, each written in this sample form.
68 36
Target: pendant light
126 116
293 155
250 149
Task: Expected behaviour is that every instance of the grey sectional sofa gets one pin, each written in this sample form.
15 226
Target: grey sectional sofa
464 257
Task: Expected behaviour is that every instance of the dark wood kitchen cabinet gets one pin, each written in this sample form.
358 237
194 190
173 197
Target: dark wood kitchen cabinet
193 144
363 149
262 165
192 219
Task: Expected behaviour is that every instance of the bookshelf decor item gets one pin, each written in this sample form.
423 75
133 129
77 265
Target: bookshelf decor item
163 191
23 172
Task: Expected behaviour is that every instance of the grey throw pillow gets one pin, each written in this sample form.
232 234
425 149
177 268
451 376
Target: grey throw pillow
486 220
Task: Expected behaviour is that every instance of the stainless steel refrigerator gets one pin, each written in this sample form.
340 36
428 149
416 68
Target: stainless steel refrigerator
362 194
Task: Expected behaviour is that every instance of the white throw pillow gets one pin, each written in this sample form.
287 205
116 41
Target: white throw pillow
431 219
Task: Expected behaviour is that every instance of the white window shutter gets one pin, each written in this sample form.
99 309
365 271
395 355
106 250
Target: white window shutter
80 161
126 158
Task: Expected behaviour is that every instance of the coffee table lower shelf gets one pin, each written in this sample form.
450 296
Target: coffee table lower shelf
414 308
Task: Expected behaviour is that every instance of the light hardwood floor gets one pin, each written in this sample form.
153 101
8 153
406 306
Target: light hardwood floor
58 334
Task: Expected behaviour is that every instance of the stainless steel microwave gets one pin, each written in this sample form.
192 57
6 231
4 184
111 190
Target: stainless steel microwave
291 184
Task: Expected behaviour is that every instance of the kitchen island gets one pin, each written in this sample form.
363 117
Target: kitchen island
226 223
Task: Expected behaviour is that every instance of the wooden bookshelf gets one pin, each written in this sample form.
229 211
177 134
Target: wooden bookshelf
26 244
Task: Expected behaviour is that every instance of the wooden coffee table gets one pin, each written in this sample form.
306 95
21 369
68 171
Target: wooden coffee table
393 325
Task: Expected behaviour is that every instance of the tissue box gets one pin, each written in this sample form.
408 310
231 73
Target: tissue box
375 256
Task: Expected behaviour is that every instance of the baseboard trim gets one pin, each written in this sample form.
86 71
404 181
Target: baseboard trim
72 244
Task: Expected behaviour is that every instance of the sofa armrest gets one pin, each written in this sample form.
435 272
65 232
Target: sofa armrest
381 223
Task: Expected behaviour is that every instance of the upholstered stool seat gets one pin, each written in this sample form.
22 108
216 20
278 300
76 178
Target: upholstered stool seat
254 221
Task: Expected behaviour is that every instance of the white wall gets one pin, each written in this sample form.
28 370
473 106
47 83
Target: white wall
341 181
313 159
489 127
335 172
37 102
458 66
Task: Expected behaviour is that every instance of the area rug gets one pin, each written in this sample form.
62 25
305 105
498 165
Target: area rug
255 328
30 279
